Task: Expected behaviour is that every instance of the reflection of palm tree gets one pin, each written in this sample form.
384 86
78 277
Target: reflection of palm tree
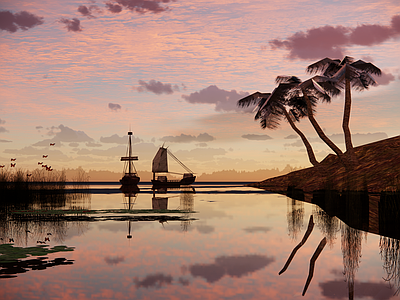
390 254
351 249
295 216
328 225
272 107
349 73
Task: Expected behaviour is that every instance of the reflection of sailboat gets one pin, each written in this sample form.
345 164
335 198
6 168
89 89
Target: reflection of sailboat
160 165
130 175
131 195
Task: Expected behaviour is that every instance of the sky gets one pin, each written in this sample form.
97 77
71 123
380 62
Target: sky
81 74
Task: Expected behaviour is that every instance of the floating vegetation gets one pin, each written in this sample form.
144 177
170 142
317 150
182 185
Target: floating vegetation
10 253
99 211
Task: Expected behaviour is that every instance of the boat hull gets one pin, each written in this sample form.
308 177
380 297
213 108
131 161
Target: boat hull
129 180
173 183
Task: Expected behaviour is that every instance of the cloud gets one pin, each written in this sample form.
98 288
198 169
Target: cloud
257 137
338 138
385 78
223 100
114 107
200 154
63 133
73 144
22 20
291 137
116 139
154 280
205 229
3 129
2 121
5 141
139 6
88 11
72 25
91 144
156 87
114 260
233 266
39 127
331 41
184 138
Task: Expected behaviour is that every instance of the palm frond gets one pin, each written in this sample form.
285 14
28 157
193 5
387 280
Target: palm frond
287 79
367 67
252 99
321 65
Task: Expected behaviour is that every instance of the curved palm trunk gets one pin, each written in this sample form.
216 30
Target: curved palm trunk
318 129
346 121
309 149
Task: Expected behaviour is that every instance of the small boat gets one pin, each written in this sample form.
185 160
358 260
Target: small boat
130 175
160 165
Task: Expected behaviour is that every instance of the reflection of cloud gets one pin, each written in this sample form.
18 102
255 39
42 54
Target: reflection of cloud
337 289
234 266
185 138
257 137
22 20
205 229
331 41
257 229
114 106
72 25
154 280
223 100
114 260
156 87
119 139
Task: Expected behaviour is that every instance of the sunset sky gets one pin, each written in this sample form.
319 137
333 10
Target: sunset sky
81 74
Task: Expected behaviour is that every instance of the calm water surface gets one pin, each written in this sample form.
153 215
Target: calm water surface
218 241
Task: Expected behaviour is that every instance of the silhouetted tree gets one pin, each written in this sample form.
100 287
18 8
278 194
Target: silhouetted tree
272 107
347 74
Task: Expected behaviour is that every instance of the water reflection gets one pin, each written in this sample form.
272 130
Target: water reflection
360 213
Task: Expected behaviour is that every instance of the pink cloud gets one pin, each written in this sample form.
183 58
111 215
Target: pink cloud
114 106
331 41
22 20
88 11
156 87
385 78
223 100
139 6
72 25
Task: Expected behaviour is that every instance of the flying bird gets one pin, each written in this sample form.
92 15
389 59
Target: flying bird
28 175
13 165
2 166
44 166
40 162
52 144
13 159
45 156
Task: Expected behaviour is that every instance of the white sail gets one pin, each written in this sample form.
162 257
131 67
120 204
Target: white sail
160 163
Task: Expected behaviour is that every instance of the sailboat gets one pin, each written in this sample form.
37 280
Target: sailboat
130 175
160 165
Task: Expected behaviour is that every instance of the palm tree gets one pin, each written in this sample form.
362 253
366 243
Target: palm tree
272 107
350 74
318 87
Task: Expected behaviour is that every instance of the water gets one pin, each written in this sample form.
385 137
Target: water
218 241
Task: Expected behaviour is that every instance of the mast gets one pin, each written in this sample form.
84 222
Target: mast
129 158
